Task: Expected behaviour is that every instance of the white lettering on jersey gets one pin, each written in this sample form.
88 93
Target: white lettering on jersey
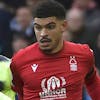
53 88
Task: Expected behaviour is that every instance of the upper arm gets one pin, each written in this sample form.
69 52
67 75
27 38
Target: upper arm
92 79
17 83
90 62
90 74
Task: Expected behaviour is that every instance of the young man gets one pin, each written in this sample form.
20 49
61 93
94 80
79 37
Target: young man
5 79
52 68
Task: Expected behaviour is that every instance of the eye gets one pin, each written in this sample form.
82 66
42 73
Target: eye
51 26
37 27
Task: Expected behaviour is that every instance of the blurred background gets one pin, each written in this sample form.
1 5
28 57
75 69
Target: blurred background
16 29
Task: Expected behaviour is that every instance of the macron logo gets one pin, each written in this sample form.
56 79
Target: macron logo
34 67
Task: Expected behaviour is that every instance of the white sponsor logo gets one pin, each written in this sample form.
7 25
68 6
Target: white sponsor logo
73 63
34 67
53 88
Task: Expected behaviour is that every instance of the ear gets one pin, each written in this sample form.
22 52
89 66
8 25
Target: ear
64 25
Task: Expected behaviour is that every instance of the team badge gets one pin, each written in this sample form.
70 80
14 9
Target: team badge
73 63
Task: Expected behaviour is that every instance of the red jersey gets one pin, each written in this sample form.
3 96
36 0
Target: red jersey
60 76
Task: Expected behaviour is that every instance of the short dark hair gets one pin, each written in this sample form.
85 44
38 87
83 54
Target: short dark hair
49 8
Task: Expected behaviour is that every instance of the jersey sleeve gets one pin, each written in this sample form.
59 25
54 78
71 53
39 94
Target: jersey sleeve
92 79
17 84
89 56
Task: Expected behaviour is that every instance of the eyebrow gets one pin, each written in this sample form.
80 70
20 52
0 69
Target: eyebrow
46 24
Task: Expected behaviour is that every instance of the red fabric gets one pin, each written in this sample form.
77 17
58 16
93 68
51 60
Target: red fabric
56 76
93 86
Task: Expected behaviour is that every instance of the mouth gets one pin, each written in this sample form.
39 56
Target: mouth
45 42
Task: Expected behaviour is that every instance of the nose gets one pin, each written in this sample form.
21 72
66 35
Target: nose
44 32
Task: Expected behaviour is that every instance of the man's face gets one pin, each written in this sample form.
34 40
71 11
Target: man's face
24 17
83 3
48 32
75 24
31 2
75 20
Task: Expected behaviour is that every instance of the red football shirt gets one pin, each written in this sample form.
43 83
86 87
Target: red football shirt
60 76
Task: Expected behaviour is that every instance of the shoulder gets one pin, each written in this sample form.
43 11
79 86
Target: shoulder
82 52
24 54
25 51
80 49
77 45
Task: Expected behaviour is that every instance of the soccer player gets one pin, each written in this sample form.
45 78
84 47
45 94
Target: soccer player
5 79
53 69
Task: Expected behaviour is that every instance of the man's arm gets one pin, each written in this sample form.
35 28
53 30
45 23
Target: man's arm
17 84
92 82
92 79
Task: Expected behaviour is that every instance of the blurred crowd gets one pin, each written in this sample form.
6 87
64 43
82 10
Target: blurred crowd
16 25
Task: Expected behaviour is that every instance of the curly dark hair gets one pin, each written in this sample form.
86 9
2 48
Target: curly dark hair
49 8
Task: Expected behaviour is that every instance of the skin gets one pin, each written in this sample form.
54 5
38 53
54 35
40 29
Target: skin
49 33
82 3
75 19
24 17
